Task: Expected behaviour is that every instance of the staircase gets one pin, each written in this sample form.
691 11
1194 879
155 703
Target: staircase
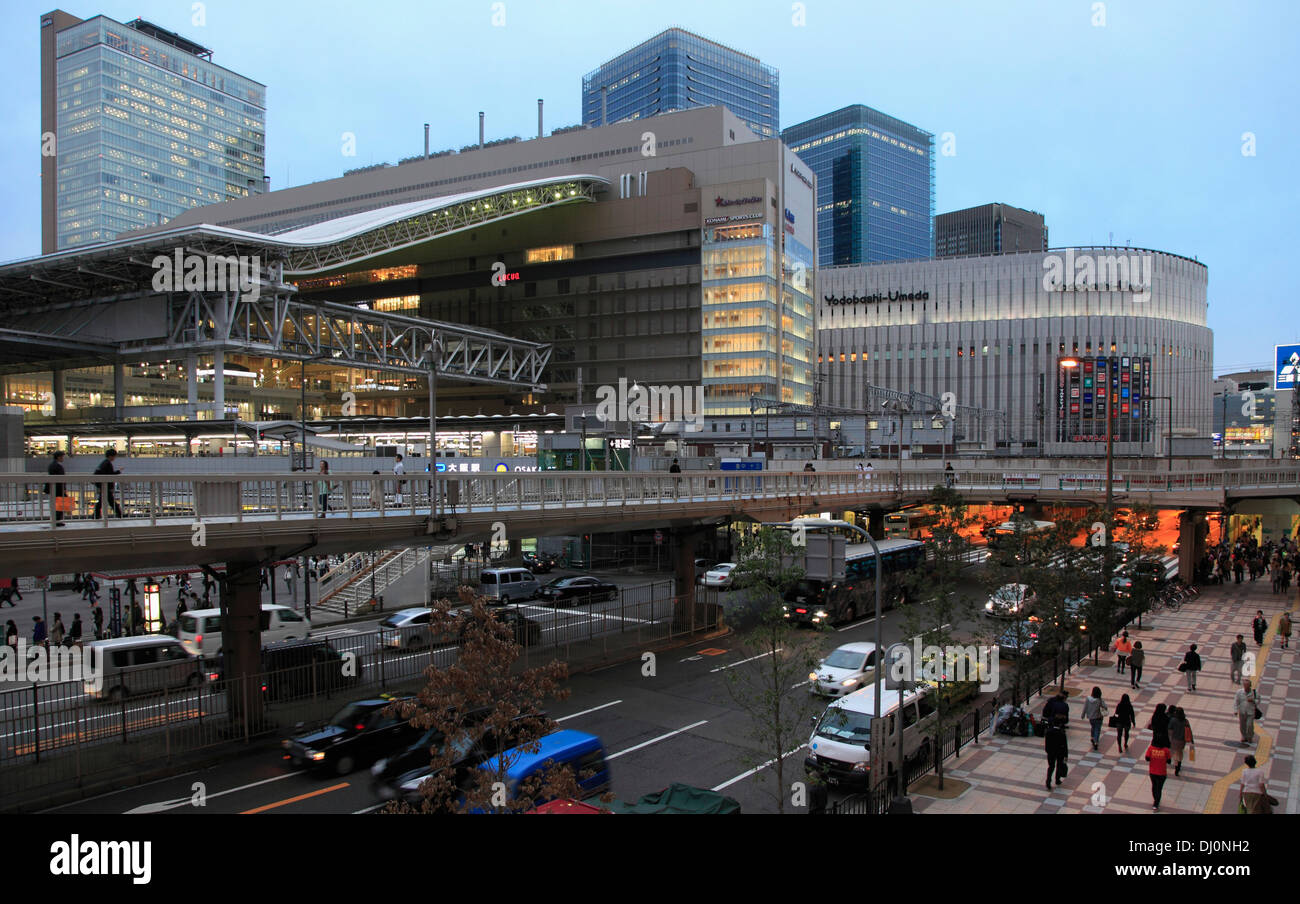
351 589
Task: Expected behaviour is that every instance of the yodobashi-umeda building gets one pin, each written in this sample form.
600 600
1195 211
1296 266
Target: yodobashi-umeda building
1043 337
689 259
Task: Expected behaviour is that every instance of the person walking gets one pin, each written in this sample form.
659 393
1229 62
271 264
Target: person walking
1125 720
1253 798
17 591
1238 654
137 617
97 616
399 470
1190 666
1058 749
1159 724
1123 649
11 634
1181 738
1136 660
323 487
1157 757
1260 626
1284 631
56 491
1094 710
1246 705
948 475
39 631
57 632
74 632
1057 711
106 489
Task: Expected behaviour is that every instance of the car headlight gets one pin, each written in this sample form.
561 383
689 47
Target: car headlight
812 676
861 767
821 614
316 755
849 682
989 606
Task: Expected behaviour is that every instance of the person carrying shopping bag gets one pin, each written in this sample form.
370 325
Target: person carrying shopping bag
1095 711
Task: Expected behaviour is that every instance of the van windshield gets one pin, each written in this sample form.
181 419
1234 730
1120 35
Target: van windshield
846 726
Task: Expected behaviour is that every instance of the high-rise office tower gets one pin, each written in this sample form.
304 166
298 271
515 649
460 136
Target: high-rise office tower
137 126
989 229
875 185
677 70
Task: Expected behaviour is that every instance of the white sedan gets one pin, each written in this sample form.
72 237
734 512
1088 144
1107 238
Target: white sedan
845 670
1011 601
719 576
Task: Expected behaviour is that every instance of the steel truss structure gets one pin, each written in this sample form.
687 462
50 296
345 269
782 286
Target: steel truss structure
101 304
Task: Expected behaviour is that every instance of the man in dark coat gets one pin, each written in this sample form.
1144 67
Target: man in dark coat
106 489
1057 750
56 490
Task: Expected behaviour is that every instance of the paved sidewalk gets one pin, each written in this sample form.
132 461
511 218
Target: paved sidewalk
1006 774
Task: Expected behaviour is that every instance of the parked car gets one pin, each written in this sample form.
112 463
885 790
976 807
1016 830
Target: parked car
719 576
1150 572
297 668
528 632
359 733
408 629
505 585
579 589
1019 639
845 670
539 563
402 774
145 664
200 629
1010 601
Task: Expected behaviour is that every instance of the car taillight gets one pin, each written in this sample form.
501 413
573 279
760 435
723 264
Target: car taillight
801 611
264 688
198 638
213 676
359 726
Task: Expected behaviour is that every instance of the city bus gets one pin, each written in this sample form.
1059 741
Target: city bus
1017 537
816 602
908 524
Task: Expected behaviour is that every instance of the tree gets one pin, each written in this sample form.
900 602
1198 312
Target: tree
479 706
775 656
937 601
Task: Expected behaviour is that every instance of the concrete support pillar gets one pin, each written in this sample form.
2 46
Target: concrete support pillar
219 383
1032 510
491 447
119 390
515 551
1192 531
688 614
192 386
241 642
876 523
60 391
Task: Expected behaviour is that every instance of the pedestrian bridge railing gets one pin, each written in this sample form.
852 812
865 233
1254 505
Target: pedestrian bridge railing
137 498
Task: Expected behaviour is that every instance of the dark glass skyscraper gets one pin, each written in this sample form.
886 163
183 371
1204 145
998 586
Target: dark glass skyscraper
677 70
875 185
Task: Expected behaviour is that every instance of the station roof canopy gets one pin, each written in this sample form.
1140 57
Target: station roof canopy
125 265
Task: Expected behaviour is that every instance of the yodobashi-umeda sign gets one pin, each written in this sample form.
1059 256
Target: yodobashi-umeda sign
1287 367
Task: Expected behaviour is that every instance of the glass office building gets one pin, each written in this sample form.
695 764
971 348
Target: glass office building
145 127
677 70
875 185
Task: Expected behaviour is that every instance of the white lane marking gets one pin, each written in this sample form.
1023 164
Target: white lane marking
368 809
171 805
800 684
614 756
743 661
585 711
87 800
745 775
859 624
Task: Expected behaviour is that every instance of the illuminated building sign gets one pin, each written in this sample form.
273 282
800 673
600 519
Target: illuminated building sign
876 298
1083 387
729 202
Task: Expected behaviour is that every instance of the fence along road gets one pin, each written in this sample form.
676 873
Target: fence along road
214 518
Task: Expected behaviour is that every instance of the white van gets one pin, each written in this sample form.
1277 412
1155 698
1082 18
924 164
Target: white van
146 664
200 629
505 585
841 743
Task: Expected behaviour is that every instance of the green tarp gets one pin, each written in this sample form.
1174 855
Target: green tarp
678 798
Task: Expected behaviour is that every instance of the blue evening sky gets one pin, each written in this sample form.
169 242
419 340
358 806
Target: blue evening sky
1132 128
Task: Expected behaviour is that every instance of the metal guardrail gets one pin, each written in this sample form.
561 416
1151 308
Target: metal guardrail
153 498
57 734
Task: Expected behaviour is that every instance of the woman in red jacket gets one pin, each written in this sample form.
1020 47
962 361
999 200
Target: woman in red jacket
1158 757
